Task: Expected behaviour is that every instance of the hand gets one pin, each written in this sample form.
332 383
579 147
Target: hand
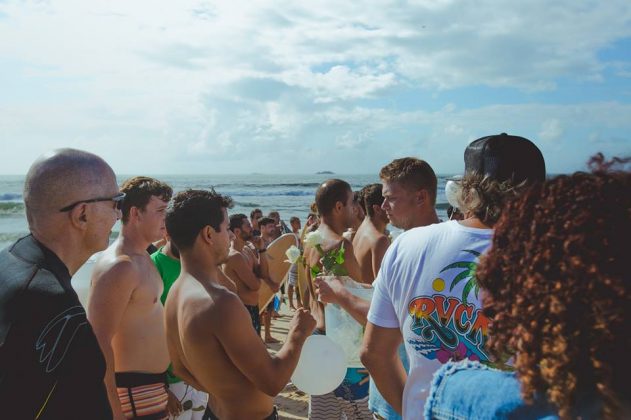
174 406
302 324
257 241
329 289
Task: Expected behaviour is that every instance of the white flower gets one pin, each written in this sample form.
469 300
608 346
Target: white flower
313 238
293 253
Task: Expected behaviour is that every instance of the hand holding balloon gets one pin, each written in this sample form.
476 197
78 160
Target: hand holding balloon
302 324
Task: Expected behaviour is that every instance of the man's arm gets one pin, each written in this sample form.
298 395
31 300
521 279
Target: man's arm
380 355
378 251
269 373
238 265
110 293
332 290
262 258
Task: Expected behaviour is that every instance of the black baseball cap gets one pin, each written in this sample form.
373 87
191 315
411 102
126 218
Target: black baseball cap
503 157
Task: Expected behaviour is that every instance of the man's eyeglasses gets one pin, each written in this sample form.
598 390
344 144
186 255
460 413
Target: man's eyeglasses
117 199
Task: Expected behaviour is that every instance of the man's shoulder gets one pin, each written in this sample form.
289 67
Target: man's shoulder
213 308
117 268
235 257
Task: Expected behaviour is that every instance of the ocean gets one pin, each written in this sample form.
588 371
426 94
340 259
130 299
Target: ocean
290 195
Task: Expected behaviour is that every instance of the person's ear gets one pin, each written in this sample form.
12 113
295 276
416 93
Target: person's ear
78 216
207 234
133 212
421 197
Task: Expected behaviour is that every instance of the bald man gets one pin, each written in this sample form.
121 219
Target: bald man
51 366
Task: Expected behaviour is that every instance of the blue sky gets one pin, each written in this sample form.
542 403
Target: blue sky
238 87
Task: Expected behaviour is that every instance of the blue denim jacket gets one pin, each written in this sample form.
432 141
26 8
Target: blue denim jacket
471 390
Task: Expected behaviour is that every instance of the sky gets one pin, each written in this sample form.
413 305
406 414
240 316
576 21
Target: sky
201 87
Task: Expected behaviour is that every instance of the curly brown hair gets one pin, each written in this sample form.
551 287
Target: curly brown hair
485 197
139 191
557 290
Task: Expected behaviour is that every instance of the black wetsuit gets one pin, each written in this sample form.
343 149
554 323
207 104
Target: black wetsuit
51 365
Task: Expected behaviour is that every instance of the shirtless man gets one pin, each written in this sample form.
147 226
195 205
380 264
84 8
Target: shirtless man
255 215
210 341
124 305
334 200
268 229
371 241
292 277
245 268
267 226
358 215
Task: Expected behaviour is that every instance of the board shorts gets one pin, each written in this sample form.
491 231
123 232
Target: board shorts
142 395
193 401
292 277
255 316
347 401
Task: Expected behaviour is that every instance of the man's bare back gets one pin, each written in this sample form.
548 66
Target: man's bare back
331 240
369 246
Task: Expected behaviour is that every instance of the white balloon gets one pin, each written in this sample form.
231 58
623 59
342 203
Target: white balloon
321 367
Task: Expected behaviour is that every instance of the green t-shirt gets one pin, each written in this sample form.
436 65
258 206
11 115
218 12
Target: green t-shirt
169 269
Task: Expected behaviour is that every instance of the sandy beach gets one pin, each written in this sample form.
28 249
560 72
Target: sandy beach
291 402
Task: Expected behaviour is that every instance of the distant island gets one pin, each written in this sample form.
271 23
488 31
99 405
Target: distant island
325 173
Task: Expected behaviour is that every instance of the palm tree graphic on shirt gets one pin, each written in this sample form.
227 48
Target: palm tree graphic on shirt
468 272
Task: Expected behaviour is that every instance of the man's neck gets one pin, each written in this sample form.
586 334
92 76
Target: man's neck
425 218
267 240
69 251
203 268
377 223
336 226
131 240
474 222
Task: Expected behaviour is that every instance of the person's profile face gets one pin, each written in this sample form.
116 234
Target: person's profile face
398 203
152 218
104 215
222 239
246 230
295 225
348 209
268 229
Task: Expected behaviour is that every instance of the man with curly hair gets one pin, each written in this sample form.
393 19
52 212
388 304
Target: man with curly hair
558 297
426 293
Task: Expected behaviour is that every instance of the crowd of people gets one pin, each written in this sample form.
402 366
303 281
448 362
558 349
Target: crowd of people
516 307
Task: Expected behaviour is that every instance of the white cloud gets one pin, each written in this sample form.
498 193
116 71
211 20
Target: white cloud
203 86
551 130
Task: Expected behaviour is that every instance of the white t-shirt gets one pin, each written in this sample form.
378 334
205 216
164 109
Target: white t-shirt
426 287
